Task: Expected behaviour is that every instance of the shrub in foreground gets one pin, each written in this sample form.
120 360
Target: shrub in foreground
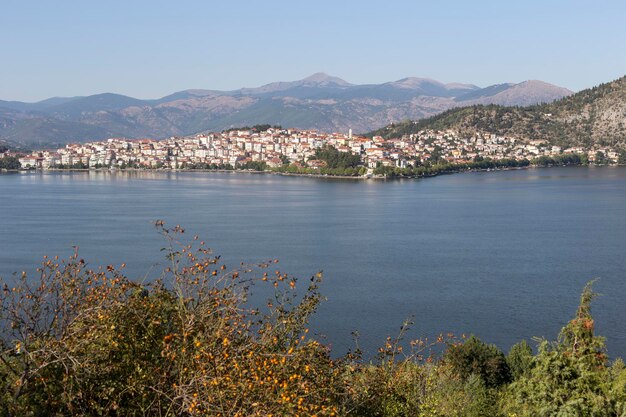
572 376
78 341
474 357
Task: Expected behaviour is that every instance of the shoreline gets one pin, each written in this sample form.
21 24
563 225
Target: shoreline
288 174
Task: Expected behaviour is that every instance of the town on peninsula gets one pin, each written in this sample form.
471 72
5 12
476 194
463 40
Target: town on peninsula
297 151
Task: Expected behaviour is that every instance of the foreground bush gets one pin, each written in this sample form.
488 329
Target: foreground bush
570 377
91 342
78 341
474 357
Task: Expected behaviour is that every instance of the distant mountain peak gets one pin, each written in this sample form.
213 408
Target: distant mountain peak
462 86
319 79
543 85
323 78
511 94
533 91
534 82
413 82
422 83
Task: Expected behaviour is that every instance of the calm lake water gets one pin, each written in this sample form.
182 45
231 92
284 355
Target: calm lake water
503 255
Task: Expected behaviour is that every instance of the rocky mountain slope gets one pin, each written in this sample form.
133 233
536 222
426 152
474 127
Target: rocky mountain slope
595 116
318 102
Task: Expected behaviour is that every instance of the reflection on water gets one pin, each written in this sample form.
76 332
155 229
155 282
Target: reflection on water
500 254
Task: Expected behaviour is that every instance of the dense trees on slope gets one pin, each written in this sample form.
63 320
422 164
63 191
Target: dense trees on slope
337 159
596 116
9 162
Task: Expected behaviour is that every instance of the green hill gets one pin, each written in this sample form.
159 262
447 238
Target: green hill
596 116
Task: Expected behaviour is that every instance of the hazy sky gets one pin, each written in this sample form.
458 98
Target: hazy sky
148 49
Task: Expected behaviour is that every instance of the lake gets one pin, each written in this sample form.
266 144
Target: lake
503 255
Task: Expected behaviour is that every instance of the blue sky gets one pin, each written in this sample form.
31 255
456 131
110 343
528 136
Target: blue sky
148 49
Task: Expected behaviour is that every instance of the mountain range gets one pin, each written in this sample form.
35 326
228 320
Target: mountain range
321 102
591 117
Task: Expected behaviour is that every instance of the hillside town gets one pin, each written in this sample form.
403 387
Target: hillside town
277 147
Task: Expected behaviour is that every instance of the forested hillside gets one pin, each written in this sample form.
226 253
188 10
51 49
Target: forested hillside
596 116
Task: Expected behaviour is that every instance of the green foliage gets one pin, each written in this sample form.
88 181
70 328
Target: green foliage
337 159
561 160
601 159
209 167
295 169
445 394
430 170
390 391
9 162
77 165
570 377
254 166
401 382
256 128
474 357
482 401
618 386
284 159
520 359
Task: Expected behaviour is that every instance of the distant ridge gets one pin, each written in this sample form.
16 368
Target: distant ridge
523 94
320 101
595 116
